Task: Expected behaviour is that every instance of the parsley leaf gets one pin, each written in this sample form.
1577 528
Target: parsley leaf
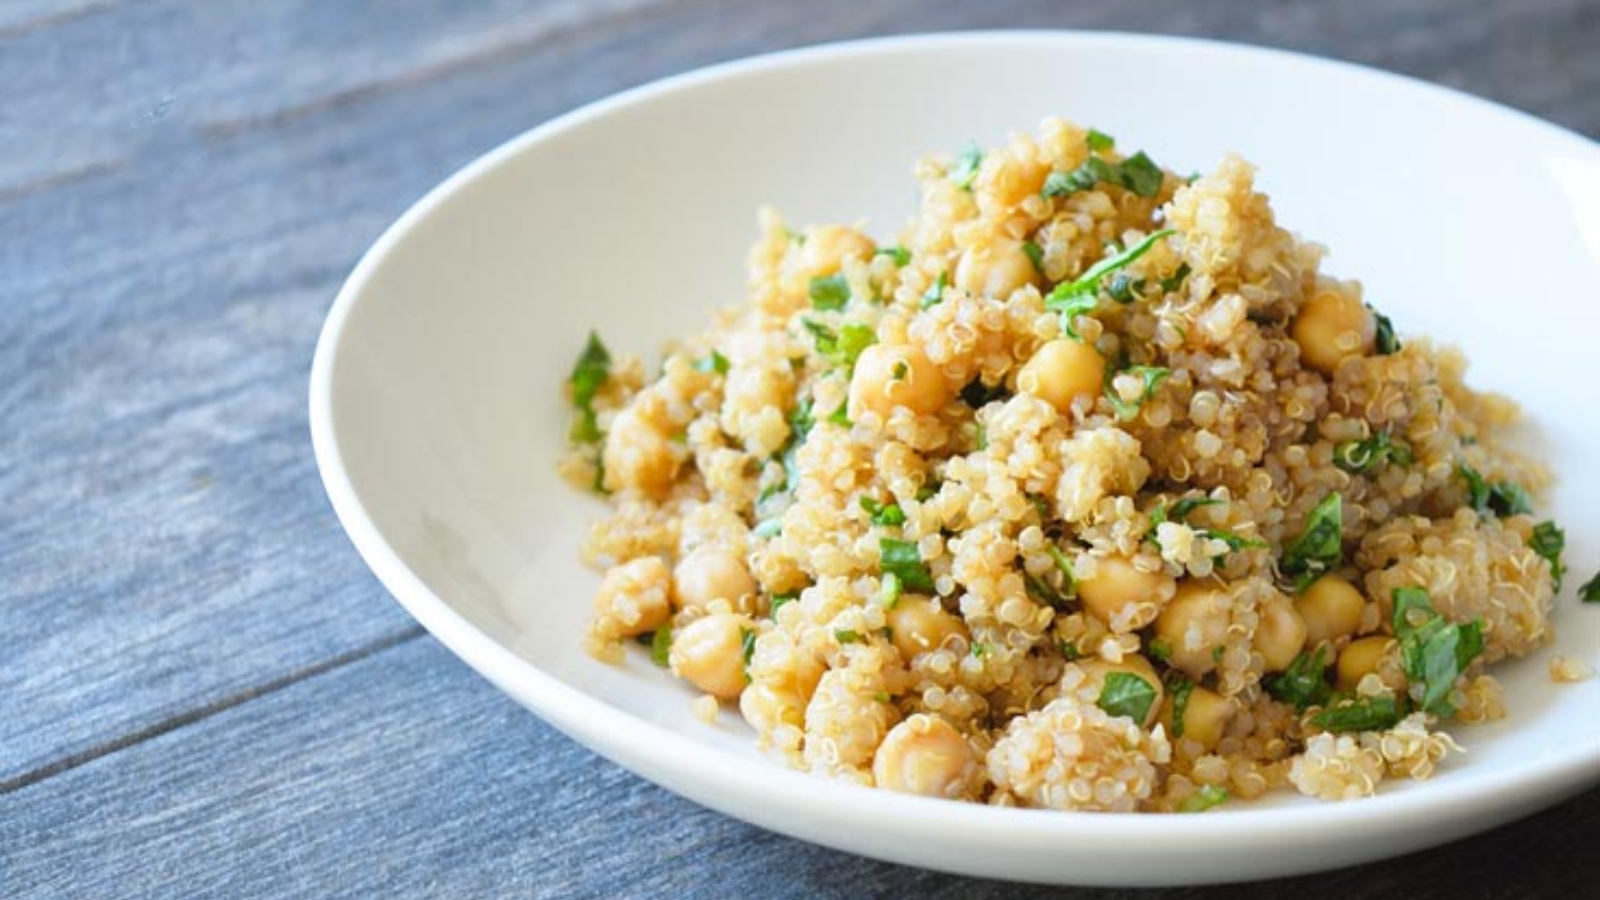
1360 457
778 600
1503 498
661 645
891 590
843 346
716 362
883 513
965 171
1127 409
1089 282
1320 546
1364 714
1304 683
1175 280
1137 174
1035 255
1126 694
1074 307
829 292
904 559
1181 688
1433 652
1069 584
1099 141
935 293
589 374
1207 797
1387 343
846 635
1590 592
900 255
1548 541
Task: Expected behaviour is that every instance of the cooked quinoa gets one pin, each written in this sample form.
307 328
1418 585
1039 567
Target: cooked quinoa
1090 492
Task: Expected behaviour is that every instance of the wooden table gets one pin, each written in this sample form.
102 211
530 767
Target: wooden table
202 690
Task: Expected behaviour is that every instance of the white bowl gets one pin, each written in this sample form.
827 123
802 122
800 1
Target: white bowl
437 414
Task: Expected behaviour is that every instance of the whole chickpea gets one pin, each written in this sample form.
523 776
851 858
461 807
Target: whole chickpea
1117 586
1193 626
1280 633
925 755
709 654
1061 371
891 375
1330 327
1205 716
1360 658
826 248
1331 608
994 270
918 624
714 573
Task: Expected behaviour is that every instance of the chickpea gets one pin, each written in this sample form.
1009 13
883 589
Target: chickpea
714 573
1359 659
995 270
1117 586
1061 371
918 624
1280 633
891 375
632 598
638 455
827 247
709 654
1331 608
1205 716
1332 326
766 707
925 755
1194 625
1097 670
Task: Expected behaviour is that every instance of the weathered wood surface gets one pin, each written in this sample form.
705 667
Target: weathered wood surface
200 686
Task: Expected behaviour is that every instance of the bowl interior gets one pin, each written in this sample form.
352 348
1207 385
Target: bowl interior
443 376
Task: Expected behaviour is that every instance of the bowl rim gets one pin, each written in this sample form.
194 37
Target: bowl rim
597 724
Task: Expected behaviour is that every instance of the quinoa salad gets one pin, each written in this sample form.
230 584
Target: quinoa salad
1087 491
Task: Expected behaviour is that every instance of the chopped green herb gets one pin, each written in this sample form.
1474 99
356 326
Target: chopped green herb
778 600
1182 509
1503 498
904 559
935 293
1433 651
1477 488
978 395
1363 714
716 362
1548 541
1216 654
843 346
1072 308
1320 546
979 649
1124 289
1159 650
1387 343
1035 255
1137 173
900 371
1208 797
599 483
927 492
1181 688
1099 141
840 415
1069 584
1152 377
1070 651
900 255
768 528
1360 457
891 590
1304 683
1041 589
589 374
965 171
1126 694
747 647
1088 283
846 635
881 697
1175 280
829 292
1590 592
661 645
883 513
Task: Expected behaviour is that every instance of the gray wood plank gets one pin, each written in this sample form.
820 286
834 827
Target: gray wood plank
403 775
183 187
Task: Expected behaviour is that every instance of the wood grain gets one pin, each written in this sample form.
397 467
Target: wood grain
184 185
403 775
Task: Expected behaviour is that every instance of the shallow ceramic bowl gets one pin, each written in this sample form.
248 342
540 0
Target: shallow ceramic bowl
437 412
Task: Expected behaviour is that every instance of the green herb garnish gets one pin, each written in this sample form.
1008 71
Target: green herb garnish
1137 173
900 255
589 374
1073 307
1303 684
1152 377
1069 583
935 293
1099 141
716 362
1175 280
1387 343
1548 541
747 647
1088 284
829 292
1590 592
904 559
1181 688
1503 498
1320 546
843 346
1433 651
1126 694
883 513
965 171
778 600
1035 255
768 528
661 645
891 590
846 635
1207 797
1363 714
1360 457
